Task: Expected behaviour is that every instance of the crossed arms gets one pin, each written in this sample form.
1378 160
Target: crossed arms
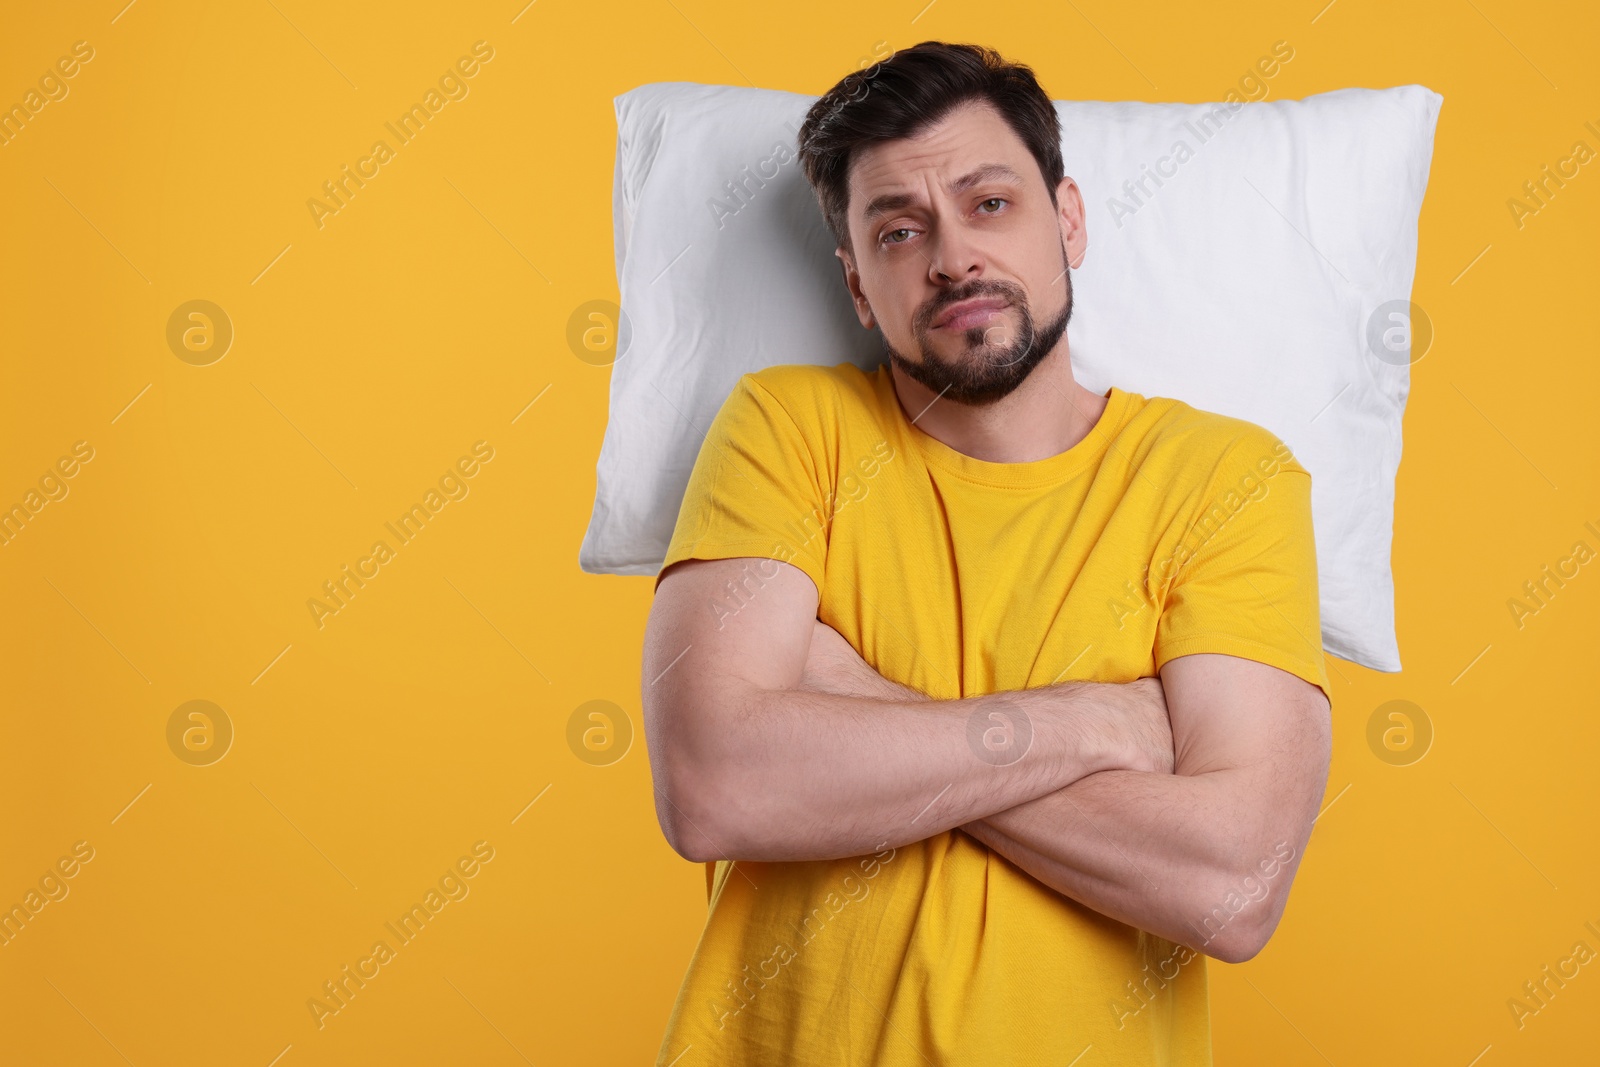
1161 804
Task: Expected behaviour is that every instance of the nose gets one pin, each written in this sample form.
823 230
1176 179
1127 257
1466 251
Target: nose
954 257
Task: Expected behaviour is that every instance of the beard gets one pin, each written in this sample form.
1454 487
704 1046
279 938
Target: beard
983 372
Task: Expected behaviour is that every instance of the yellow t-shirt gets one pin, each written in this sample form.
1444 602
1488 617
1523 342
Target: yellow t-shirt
1166 531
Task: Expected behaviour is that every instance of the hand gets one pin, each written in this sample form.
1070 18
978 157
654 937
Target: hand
1142 729
834 666
1134 733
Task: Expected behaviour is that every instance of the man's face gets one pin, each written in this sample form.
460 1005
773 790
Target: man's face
957 213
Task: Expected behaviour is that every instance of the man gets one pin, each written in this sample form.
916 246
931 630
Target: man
993 705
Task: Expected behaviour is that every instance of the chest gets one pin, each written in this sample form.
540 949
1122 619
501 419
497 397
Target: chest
957 590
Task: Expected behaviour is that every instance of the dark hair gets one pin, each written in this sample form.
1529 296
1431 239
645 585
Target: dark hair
909 92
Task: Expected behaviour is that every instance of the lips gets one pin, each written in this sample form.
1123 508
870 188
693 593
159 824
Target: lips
969 312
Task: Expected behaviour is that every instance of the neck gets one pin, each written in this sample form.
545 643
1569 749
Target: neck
1043 417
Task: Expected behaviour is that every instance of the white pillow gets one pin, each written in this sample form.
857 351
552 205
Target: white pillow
1257 280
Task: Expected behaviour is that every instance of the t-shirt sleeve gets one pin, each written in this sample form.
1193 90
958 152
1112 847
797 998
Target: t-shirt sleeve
756 489
1246 572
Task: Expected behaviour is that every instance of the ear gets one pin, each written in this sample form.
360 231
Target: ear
1074 227
852 283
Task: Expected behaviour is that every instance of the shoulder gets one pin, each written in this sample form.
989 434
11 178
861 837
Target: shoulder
1199 448
799 383
816 397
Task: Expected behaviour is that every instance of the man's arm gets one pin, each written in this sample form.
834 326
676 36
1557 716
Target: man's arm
749 765
1205 856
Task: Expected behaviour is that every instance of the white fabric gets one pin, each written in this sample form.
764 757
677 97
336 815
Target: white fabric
1243 284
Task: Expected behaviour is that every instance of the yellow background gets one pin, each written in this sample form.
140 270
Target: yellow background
426 715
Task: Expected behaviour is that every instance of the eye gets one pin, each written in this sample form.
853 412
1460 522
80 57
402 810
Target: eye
891 233
993 200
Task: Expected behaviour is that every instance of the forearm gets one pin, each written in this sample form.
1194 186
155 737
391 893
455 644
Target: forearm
1202 860
792 774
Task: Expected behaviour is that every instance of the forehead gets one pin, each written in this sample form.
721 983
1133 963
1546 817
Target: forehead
970 137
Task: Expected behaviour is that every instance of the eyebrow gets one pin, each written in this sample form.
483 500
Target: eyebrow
884 203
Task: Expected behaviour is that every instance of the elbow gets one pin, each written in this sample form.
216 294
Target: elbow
693 810
1243 910
683 816
1234 927
695 845
1240 939
678 830
1241 942
706 785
